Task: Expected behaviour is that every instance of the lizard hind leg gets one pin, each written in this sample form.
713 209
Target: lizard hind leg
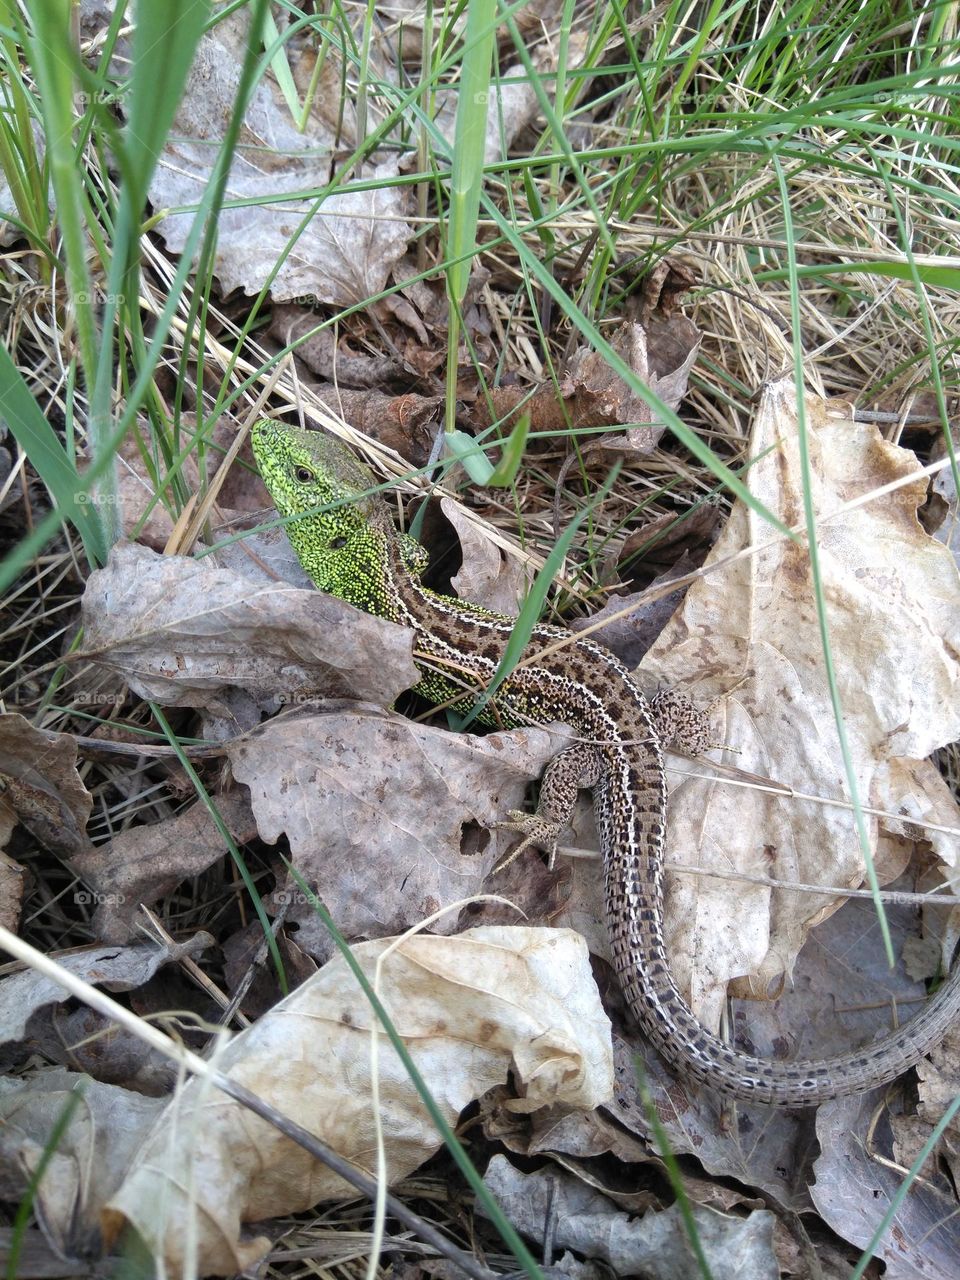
572 770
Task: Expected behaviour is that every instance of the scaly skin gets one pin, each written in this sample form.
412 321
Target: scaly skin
354 551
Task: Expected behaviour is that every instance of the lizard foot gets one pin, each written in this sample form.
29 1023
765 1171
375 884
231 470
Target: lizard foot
537 831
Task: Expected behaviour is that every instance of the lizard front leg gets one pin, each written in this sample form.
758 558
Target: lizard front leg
679 723
571 771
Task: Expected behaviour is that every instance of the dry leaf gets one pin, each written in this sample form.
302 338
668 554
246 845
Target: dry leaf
469 1009
349 245
182 632
115 968
604 399
655 1245
12 885
40 786
766 1147
630 635
486 576
856 1180
90 1157
406 423
748 634
144 863
591 394
325 357
374 808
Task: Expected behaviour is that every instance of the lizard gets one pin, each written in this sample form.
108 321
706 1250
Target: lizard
344 535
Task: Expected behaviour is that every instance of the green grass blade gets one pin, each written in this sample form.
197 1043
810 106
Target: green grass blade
35 436
511 456
280 66
470 136
466 176
467 451
54 61
165 41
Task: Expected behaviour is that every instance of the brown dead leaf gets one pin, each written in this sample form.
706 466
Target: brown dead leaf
654 551
469 1009
12 885
90 1155
82 1039
40 785
594 1148
591 394
145 863
405 423
325 357
183 632
764 1147
136 487
748 635
856 1181
486 576
115 968
374 807
345 253
137 482
655 1245
604 398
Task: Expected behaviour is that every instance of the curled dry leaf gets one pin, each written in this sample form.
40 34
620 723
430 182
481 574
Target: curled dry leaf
604 399
747 634
322 354
655 1245
144 863
374 808
470 1010
405 423
40 786
90 1157
486 576
116 968
182 631
856 1182
592 394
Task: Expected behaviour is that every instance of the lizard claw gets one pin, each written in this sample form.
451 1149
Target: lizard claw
537 831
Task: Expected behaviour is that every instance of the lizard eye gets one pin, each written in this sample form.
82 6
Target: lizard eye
337 543
304 475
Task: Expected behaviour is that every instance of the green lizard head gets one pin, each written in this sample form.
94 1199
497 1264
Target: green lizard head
343 545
